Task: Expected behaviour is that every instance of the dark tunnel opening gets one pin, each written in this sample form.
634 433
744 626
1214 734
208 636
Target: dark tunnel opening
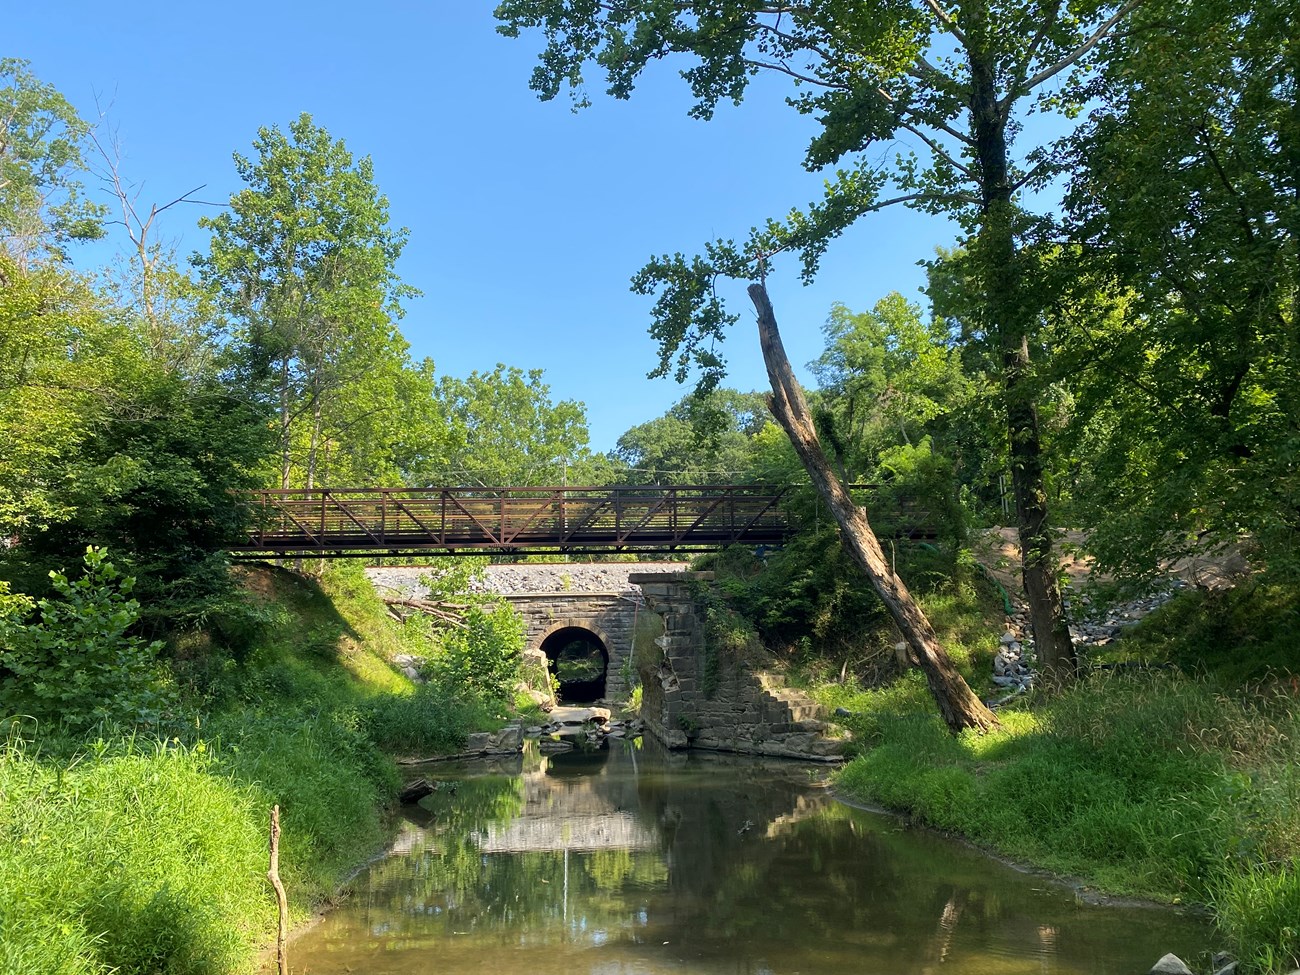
577 658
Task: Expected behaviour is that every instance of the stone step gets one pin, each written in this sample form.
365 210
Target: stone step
771 681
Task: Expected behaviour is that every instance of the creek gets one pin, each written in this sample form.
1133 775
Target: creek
631 860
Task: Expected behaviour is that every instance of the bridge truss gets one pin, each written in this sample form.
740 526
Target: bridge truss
341 523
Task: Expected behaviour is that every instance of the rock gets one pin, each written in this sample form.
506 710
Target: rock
1228 969
1008 638
507 741
540 698
532 731
1170 965
413 792
1221 958
572 716
549 746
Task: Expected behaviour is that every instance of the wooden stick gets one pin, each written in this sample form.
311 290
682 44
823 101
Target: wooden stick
273 875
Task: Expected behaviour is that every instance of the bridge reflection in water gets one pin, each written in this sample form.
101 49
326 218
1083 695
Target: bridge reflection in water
635 861
325 523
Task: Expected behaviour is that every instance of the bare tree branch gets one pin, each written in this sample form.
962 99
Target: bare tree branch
1057 67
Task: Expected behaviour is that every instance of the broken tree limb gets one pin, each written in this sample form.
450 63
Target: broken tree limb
281 900
958 704
446 612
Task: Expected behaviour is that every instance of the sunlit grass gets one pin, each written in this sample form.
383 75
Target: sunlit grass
1150 784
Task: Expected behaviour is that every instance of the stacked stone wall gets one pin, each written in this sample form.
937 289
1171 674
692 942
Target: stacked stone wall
743 708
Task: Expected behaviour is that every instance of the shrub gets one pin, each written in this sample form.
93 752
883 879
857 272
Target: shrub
433 720
78 665
482 656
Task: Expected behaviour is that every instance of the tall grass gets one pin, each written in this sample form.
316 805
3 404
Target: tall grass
141 859
134 857
1149 784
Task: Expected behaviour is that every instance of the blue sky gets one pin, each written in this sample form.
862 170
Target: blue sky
526 219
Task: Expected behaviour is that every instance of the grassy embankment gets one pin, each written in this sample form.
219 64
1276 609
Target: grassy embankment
1178 784
133 856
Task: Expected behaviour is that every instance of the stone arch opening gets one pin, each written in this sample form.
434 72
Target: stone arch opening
579 660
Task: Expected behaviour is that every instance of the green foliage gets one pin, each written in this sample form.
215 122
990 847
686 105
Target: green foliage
112 447
41 207
1235 636
482 655
66 358
78 666
703 439
883 70
502 428
1180 302
434 720
301 267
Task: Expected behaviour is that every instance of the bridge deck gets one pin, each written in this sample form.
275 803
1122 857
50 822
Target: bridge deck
326 523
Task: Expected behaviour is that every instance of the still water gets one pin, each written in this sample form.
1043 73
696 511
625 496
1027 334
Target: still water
634 861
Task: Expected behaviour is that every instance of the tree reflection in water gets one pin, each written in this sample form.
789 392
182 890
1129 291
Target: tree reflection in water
638 861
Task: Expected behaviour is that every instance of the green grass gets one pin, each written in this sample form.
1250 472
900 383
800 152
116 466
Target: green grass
1234 635
1151 784
136 860
1178 784
122 855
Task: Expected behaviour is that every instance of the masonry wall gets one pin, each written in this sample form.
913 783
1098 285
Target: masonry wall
697 698
610 616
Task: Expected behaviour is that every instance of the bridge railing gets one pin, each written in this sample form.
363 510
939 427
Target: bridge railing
324 522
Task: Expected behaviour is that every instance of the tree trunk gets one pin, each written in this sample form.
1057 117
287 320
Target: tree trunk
1009 317
957 702
315 441
286 418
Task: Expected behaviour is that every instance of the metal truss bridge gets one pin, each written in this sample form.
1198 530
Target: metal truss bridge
361 522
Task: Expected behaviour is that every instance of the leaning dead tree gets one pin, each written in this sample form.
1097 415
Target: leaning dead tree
958 704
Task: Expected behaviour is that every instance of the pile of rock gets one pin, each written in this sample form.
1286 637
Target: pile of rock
1013 666
1098 628
410 665
507 580
569 725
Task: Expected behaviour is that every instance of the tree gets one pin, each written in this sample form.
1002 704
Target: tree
108 445
41 143
302 267
955 81
957 703
1183 284
705 439
58 350
501 428
79 665
888 379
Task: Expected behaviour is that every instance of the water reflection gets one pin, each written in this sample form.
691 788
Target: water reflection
631 860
